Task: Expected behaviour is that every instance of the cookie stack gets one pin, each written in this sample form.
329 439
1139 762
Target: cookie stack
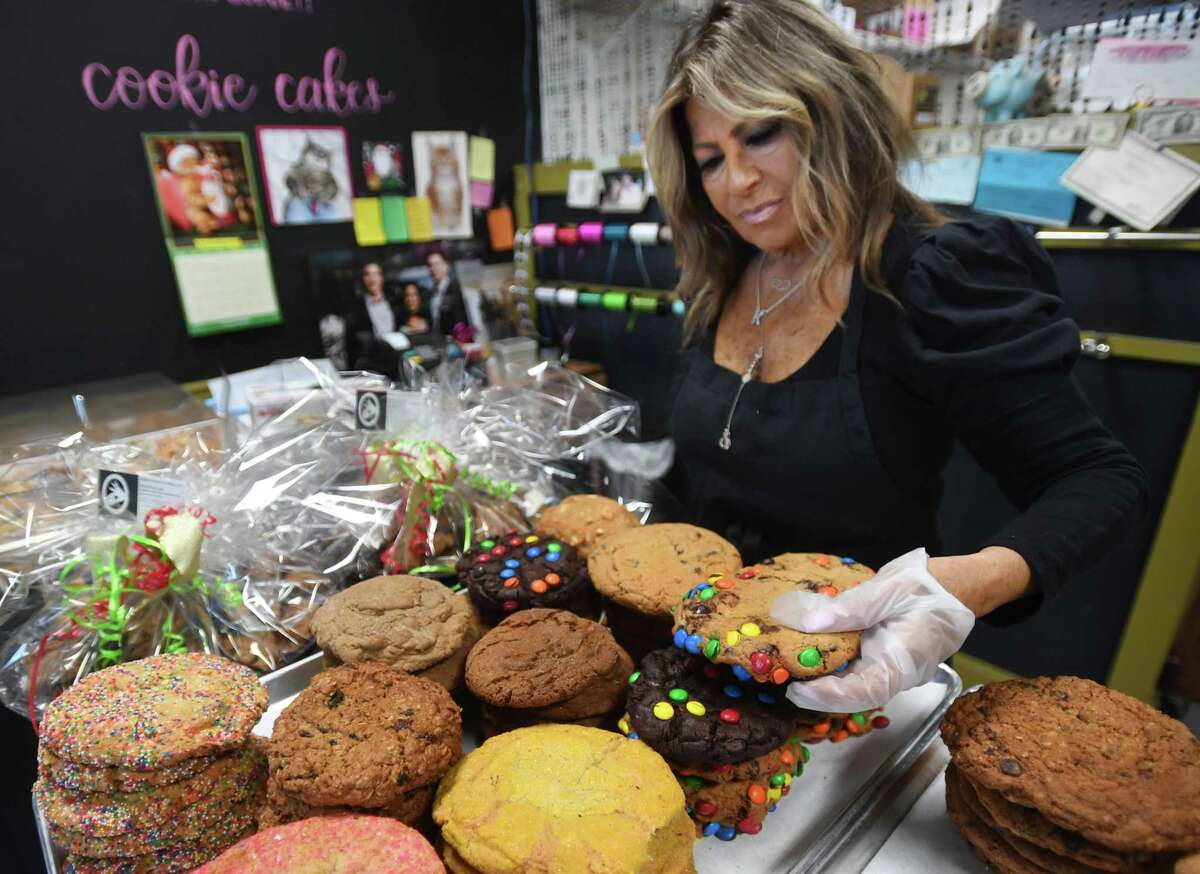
331 845
364 738
146 766
1062 774
582 521
411 623
563 799
548 666
641 572
519 571
733 745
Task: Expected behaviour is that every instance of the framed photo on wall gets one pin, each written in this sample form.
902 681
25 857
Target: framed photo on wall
307 174
440 167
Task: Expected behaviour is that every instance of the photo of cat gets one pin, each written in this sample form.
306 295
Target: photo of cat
440 167
307 174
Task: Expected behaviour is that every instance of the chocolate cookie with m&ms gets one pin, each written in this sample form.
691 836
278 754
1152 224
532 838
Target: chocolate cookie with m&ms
518 571
690 712
727 618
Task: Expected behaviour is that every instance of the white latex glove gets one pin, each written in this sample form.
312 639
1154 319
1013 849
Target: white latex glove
910 625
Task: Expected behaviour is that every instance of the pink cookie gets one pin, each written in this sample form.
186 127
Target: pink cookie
331 845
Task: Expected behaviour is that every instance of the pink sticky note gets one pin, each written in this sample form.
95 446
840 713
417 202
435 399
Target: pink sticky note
481 194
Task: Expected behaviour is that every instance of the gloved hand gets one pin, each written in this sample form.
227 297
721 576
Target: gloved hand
910 625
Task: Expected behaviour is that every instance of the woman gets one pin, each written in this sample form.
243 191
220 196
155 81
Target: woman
842 333
416 315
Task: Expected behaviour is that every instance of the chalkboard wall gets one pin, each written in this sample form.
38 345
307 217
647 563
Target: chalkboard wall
87 287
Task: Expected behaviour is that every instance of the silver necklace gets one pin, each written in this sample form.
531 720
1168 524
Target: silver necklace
788 287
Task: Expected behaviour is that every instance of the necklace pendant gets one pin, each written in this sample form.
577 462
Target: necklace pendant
757 318
725 442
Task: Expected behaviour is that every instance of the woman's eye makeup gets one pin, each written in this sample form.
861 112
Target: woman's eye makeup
763 135
710 163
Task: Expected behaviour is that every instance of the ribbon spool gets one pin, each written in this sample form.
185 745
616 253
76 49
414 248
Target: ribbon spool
591 233
678 307
544 294
544 235
589 299
567 297
664 235
567 236
641 304
615 300
644 233
616 233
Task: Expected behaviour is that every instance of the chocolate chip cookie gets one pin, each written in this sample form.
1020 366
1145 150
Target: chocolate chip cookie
646 569
694 713
1091 760
362 735
520 571
583 521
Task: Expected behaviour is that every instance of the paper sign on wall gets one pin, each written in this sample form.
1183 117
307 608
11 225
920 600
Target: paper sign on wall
208 207
500 229
1139 182
395 219
483 159
368 222
420 219
949 179
1024 184
1144 70
481 194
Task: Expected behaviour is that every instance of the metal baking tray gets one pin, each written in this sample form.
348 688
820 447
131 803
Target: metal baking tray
836 817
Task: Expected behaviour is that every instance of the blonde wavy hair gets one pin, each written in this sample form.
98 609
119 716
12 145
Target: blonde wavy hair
785 61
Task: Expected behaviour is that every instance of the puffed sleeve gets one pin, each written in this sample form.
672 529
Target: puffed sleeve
987 343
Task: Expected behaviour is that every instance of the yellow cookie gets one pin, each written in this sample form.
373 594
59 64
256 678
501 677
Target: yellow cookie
560 799
727 618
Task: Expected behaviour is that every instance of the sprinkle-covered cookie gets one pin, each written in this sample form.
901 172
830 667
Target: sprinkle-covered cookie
646 569
362 735
331 845
225 781
155 712
1091 760
583 521
75 777
519 571
694 713
727 618
213 823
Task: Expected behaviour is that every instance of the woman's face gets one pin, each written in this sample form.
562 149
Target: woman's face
412 298
748 170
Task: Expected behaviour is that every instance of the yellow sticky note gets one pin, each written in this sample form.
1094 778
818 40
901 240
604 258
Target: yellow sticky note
483 159
420 219
368 222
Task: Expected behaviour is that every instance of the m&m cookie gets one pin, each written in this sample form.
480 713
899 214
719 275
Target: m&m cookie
519 570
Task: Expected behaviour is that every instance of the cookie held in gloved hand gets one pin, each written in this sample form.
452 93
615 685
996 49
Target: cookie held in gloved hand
910 623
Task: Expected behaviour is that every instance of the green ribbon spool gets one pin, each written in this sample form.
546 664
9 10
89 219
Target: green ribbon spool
615 300
589 300
644 304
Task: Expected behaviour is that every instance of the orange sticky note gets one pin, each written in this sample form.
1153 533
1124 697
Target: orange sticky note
500 229
420 219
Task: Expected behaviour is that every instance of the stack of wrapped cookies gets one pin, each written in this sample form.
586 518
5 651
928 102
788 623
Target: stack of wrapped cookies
364 738
543 665
563 798
147 766
1062 774
734 748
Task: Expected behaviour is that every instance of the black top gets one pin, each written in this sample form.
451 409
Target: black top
978 349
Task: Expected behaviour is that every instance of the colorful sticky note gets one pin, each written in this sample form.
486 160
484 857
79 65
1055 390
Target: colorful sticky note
500 229
420 219
368 222
481 194
483 159
395 219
